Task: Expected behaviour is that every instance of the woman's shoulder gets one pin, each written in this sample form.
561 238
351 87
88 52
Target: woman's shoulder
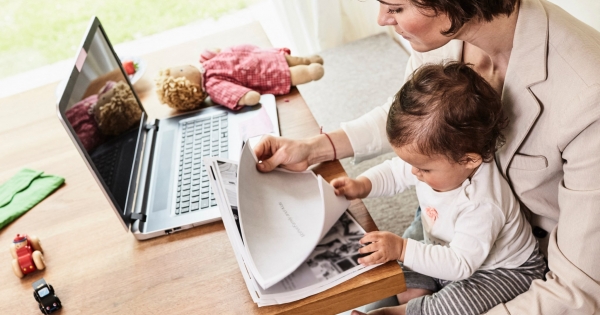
574 43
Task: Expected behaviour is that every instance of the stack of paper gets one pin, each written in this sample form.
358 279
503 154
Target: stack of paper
291 234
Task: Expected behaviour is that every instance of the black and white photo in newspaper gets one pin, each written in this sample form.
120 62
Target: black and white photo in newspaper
333 261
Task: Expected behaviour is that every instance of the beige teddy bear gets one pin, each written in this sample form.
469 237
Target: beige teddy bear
116 110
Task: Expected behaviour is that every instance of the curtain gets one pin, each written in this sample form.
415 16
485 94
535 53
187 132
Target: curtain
315 25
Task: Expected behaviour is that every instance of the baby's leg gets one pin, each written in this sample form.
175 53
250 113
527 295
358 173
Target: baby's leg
395 310
403 298
417 286
412 293
481 291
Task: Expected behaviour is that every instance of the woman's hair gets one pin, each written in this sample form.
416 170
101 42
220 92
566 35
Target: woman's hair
461 11
447 109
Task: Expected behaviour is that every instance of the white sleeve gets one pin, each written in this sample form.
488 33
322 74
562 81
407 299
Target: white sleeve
475 231
389 178
367 133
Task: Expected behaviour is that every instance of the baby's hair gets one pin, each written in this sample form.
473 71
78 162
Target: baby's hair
447 109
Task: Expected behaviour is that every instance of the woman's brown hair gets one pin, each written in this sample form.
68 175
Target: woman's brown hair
461 11
447 109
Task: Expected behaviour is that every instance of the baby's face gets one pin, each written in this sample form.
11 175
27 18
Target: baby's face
436 171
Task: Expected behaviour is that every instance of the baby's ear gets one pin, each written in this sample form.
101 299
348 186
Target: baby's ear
471 160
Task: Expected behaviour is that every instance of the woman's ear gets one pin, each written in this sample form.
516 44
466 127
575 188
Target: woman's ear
471 160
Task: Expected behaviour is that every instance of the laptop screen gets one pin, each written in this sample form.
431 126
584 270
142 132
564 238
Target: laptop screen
103 115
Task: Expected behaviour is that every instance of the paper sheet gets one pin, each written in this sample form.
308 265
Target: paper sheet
283 215
333 261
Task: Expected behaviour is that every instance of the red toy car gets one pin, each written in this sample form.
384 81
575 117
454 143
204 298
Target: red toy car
27 255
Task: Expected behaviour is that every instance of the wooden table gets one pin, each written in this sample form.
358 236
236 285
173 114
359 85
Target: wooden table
97 267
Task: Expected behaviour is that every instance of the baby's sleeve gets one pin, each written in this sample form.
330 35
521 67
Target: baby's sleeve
476 229
389 178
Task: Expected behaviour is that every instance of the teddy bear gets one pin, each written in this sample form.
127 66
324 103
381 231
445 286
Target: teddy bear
117 109
236 77
104 113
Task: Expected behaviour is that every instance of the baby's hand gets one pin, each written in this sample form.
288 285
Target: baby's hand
384 246
352 188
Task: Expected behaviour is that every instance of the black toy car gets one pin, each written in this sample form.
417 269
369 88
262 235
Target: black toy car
44 295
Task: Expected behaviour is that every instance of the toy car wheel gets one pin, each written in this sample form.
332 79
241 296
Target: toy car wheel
17 269
36 297
42 309
35 243
13 251
38 260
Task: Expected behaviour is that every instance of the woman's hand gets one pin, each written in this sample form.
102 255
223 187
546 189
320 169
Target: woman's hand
290 154
352 188
298 155
384 246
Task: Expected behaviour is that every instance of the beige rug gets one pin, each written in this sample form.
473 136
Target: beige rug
358 77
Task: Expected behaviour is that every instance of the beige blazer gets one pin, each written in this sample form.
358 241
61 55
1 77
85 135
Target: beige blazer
552 155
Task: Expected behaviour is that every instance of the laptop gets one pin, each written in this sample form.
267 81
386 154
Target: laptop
150 171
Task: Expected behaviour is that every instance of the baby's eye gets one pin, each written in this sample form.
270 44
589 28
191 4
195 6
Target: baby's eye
424 171
394 11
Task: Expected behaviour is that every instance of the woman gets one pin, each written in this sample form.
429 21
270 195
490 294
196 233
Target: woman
546 64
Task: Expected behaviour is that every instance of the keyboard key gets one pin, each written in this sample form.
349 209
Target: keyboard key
200 137
204 203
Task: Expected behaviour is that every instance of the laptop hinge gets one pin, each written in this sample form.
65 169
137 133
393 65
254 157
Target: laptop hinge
152 125
138 216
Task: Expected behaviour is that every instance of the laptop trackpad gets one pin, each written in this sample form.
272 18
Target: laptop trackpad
162 190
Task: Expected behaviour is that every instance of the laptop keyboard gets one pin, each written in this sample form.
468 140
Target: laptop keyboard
201 137
106 163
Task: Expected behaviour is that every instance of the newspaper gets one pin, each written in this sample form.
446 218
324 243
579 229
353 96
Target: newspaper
323 239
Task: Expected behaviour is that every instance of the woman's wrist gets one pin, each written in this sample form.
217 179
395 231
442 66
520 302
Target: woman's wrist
320 149
327 147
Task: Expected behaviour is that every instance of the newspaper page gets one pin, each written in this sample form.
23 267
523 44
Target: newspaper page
333 260
283 215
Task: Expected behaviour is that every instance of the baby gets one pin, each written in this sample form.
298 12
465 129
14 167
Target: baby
479 251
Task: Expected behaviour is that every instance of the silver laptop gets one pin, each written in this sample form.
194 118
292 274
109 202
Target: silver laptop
150 171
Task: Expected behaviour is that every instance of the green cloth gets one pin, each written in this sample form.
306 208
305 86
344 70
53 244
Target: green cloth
23 191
